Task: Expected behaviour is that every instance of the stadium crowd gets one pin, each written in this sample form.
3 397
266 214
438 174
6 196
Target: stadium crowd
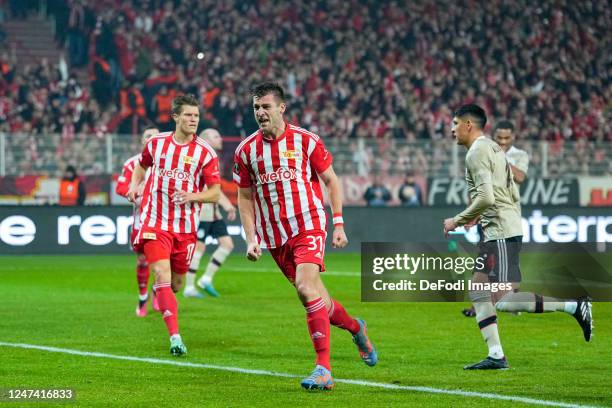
353 69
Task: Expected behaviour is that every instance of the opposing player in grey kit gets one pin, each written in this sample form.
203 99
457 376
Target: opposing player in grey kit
495 204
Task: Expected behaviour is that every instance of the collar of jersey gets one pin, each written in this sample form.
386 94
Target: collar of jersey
482 136
180 144
278 139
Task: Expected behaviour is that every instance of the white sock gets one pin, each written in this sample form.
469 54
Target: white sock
190 280
175 337
144 297
528 302
570 307
216 260
486 312
195 260
496 351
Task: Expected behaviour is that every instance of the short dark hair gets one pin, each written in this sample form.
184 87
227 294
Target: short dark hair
179 101
503 124
265 88
475 112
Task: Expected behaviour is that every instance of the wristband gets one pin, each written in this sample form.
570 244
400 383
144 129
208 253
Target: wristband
337 219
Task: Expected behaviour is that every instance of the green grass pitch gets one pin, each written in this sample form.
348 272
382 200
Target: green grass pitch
87 303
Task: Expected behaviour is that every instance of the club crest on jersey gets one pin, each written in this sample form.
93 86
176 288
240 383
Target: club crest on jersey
290 154
187 159
281 174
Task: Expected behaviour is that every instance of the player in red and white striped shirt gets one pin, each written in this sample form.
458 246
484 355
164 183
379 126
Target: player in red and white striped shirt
122 188
181 165
277 170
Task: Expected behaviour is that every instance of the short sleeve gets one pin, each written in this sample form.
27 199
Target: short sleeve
320 158
241 172
210 171
146 160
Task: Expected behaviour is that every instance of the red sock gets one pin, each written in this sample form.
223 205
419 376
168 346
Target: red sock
318 327
142 276
168 307
340 318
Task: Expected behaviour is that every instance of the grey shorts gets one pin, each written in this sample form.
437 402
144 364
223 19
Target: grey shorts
215 229
501 259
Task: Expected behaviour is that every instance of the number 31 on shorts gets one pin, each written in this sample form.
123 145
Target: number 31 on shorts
316 244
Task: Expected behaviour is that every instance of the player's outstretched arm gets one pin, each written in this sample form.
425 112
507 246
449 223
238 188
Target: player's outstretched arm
138 175
334 190
246 208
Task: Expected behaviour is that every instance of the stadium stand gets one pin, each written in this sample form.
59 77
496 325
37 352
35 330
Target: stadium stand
389 73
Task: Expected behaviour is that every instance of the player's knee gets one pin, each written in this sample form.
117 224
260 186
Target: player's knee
509 303
200 247
502 306
306 289
508 306
228 244
161 272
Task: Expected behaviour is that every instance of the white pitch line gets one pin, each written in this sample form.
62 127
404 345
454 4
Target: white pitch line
364 383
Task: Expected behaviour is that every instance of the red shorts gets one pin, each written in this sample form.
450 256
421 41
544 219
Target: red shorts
158 245
135 248
306 247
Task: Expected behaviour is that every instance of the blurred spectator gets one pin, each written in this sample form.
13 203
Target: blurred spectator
375 71
131 108
410 193
161 107
362 159
72 189
77 33
101 85
380 70
377 195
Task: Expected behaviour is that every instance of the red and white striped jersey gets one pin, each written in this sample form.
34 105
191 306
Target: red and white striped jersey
282 174
123 186
173 166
